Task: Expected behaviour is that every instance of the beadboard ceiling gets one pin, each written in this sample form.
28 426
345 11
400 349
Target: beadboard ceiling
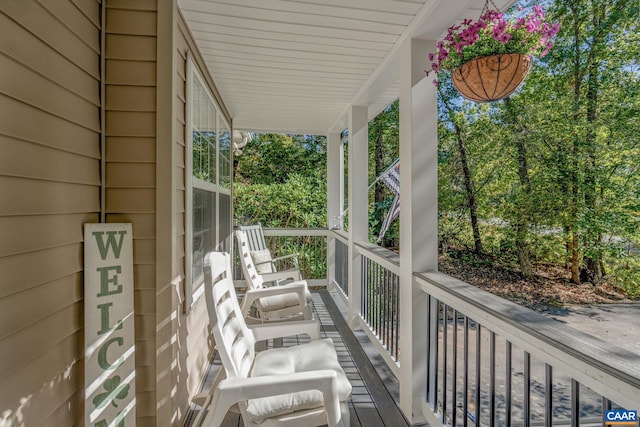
296 65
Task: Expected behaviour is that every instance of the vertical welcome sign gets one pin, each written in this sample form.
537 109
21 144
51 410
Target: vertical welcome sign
109 326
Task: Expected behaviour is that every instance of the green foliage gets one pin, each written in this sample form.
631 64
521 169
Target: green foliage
578 115
273 158
384 149
299 202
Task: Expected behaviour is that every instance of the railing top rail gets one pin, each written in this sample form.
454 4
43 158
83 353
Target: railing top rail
341 235
609 370
383 256
294 231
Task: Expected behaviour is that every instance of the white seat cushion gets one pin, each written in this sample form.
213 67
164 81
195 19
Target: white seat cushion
280 302
316 355
262 261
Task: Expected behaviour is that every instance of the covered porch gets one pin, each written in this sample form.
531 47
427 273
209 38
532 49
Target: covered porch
106 104
487 361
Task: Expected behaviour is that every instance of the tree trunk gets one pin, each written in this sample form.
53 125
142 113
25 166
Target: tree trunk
592 271
574 185
523 202
470 189
468 179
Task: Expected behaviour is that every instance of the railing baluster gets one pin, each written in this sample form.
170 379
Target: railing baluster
575 403
527 389
606 406
429 350
548 394
445 350
478 361
396 316
507 386
492 379
465 386
433 362
454 372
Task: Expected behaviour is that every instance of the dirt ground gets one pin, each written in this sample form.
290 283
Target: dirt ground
549 288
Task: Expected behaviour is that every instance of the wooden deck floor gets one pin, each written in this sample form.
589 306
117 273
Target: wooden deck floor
373 401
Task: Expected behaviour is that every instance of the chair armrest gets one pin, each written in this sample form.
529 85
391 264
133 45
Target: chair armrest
279 258
293 274
253 294
234 390
268 331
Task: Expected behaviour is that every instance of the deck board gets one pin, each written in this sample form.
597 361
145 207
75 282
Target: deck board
372 403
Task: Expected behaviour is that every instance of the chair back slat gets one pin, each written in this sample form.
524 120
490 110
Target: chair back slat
255 236
235 342
251 275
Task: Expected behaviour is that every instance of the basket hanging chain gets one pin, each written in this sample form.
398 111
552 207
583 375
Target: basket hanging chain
486 6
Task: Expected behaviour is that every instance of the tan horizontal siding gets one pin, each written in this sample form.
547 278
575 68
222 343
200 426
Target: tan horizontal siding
131 200
130 154
146 356
49 382
146 406
143 224
128 47
76 21
130 149
23 234
69 414
144 251
131 175
19 196
145 301
57 35
50 131
21 83
27 160
141 73
145 325
131 22
144 276
128 123
90 9
42 301
131 98
20 348
149 5
24 271
34 54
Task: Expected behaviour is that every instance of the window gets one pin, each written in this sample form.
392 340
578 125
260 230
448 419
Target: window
208 180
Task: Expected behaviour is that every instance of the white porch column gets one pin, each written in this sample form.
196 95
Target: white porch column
418 217
358 203
334 198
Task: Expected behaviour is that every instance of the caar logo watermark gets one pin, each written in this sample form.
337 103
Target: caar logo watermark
621 417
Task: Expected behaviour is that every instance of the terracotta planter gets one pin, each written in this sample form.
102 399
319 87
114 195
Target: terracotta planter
490 78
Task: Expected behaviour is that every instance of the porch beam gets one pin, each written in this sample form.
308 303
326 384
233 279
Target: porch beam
358 203
418 217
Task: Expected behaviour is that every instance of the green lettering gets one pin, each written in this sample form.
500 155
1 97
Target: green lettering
104 319
105 280
102 354
111 242
119 421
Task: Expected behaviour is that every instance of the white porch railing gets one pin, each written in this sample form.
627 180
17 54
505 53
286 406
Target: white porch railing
490 362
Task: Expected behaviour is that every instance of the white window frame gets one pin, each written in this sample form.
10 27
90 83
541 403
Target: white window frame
193 292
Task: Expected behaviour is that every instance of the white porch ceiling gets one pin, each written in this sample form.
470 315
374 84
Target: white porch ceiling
296 65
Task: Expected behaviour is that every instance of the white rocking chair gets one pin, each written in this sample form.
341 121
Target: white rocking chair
293 386
277 306
261 254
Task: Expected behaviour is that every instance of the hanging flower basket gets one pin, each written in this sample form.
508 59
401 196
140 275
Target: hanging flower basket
489 58
491 78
